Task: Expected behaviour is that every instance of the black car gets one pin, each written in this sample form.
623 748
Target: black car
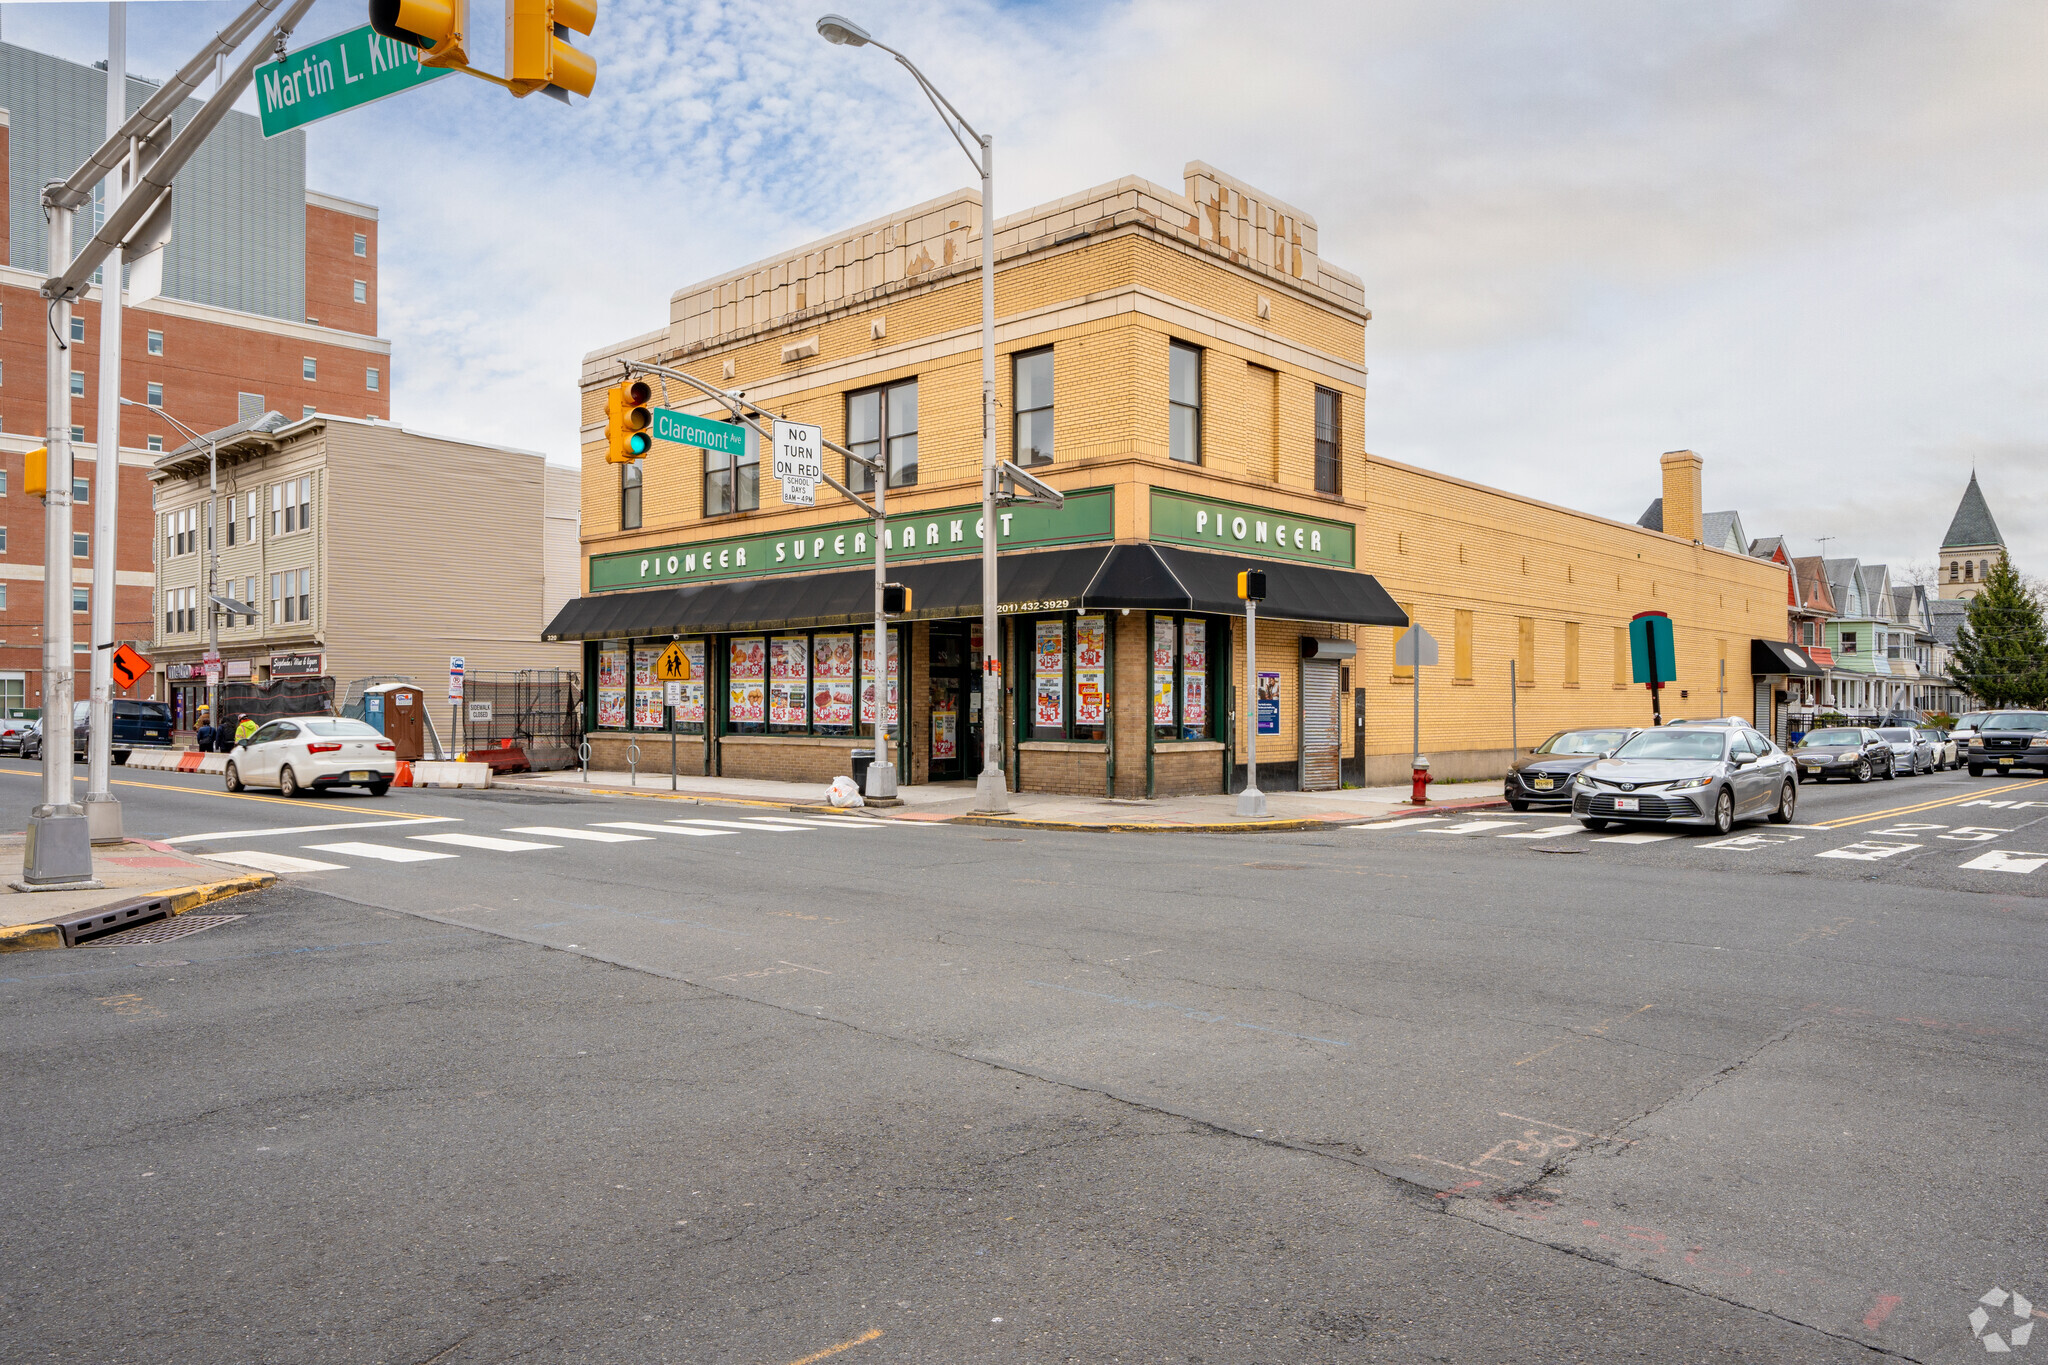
2008 741
135 725
1851 751
1543 776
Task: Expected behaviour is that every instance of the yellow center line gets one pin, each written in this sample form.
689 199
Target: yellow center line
1897 811
231 796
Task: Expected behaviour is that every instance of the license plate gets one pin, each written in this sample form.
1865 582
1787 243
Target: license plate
1543 784
1628 803
1813 772
2006 761
359 777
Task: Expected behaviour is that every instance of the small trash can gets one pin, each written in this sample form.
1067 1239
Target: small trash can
862 760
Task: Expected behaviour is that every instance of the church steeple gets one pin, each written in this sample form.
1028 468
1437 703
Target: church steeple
1973 544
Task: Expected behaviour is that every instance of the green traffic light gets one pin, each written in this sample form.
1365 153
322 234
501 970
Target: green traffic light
639 443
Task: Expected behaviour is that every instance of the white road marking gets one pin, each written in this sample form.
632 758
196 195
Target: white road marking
1634 838
658 829
1550 833
595 836
1866 852
721 826
1748 842
271 862
1474 826
384 852
1998 860
308 829
1405 822
481 841
827 822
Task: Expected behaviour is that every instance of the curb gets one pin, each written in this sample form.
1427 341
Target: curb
23 938
701 798
1164 827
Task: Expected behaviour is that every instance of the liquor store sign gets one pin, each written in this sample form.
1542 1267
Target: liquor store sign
1213 524
948 532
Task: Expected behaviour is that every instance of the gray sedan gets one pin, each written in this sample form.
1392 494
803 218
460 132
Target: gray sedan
1697 775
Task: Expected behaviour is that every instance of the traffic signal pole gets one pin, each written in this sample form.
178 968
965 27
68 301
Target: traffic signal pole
102 808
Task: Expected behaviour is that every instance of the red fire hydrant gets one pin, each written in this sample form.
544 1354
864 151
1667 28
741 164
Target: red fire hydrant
1420 795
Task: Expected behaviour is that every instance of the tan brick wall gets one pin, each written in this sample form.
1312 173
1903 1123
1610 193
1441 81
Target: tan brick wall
332 269
787 758
1074 770
1187 768
608 752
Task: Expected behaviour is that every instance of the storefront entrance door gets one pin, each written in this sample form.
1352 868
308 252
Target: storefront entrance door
955 714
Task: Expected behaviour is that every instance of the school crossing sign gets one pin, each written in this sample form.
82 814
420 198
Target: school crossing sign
335 75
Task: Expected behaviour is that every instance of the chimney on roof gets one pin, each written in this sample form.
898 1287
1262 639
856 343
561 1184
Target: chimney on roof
1682 494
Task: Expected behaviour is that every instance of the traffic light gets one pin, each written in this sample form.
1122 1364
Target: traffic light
537 51
35 474
895 599
436 26
1251 585
626 421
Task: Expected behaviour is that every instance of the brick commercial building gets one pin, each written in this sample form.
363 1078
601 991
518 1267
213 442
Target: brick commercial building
270 302
1189 371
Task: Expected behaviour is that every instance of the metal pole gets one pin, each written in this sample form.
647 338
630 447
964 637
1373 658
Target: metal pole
1415 677
1514 724
1251 802
213 667
58 851
881 772
102 810
1724 687
992 790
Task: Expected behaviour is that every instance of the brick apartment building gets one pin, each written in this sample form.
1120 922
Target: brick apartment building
269 303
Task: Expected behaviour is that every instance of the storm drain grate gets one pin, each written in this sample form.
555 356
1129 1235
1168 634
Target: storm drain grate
165 930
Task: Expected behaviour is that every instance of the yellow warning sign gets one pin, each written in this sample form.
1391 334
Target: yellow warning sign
673 665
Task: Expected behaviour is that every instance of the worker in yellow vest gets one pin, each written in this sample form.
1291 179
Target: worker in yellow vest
244 730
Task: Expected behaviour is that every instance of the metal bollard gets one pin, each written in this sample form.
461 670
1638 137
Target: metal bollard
633 759
583 758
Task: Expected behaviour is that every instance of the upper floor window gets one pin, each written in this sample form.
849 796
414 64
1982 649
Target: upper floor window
291 506
156 443
81 545
309 368
77 328
1184 397
1329 433
156 395
629 496
732 482
362 245
307 411
882 423
78 434
1031 373
362 291
81 489
156 343
232 519
78 383
371 378
1848 642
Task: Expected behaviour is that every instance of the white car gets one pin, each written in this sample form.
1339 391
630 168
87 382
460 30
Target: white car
1912 751
1966 727
1947 753
301 755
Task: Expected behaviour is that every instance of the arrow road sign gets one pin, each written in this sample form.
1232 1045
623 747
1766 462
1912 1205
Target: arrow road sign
335 75
129 666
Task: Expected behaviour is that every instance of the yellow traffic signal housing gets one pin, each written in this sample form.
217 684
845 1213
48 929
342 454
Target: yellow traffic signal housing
537 51
895 599
627 418
35 478
435 26
1251 585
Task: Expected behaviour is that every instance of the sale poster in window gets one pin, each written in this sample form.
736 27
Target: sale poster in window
647 696
692 710
1049 699
1050 655
611 689
746 669
946 727
1090 660
789 659
1194 647
867 677
1194 705
1162 671
832 694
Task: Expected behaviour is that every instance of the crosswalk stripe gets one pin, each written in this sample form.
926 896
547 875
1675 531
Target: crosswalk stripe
1550 833
595 836
382 852
271 862
309 829
480 841
1405 822
720 826
1634 838
829 822
659 829
1474 826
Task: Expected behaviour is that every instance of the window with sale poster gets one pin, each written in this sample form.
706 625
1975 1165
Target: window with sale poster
629 696
1064 691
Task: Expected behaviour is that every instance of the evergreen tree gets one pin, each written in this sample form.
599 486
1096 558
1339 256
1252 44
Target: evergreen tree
2001 653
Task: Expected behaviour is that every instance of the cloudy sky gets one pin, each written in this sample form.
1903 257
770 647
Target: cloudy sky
1808 240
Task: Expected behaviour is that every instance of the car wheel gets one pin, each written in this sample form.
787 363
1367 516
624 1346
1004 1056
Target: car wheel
1724 812
1788 805
1515 805
1976 771
234 778
1594 825
379 788
1862 773
288 784
1891 768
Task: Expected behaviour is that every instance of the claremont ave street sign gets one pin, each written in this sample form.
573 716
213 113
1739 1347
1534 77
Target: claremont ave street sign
335 75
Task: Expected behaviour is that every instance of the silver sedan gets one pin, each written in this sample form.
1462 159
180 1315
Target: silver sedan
1698 775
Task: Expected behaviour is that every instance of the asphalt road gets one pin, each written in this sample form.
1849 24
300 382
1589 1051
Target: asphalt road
575 1084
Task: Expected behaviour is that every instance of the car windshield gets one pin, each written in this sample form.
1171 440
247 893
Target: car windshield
1896 736
1824 737
342 729
1582 742
2018 720
1693 744
1971 721
148 710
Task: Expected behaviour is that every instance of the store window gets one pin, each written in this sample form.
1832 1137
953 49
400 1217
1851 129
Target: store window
832 683
611 687
650 709
867 681
1329 457
1031 375
746 684
629 496
1181 678
1184 399
789 685
1048 678
878 421
732 480
1068 677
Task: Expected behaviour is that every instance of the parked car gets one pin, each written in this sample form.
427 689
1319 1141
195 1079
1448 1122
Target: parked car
1965 729
30 744
1910 753
313 752
1947 754
2010 740
1704 775
1713 720
1543 776
10 734
135 724
1851 751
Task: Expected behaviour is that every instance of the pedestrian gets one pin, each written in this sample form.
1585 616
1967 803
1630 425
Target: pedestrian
245 729
206 734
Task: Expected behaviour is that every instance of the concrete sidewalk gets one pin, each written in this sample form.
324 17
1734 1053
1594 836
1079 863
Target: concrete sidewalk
127 870
954 802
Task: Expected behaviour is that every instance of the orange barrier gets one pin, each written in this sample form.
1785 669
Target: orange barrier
404 778
188 762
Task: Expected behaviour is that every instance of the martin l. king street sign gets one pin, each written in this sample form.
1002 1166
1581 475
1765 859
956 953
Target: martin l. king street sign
335 75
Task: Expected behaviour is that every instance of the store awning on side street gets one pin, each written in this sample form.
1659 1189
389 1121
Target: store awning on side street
1777 657
1141 577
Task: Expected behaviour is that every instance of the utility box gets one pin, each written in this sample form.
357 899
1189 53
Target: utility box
400 711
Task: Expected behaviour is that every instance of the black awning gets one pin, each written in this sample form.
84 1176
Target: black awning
1777 657
1141 577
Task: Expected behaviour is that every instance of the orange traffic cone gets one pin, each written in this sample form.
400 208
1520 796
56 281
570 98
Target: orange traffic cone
404 778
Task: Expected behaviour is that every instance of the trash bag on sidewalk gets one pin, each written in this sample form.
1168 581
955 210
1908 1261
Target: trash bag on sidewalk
843 793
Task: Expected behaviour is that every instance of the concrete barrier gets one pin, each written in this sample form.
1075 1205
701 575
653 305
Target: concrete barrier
177 761
431 774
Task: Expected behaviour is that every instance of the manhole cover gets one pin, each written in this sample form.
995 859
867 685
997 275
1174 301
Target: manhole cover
1279 867
164 930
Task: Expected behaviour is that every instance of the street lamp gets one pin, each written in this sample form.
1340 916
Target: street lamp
212 555
992 793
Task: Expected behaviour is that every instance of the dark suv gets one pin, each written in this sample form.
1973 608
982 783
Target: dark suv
2008 741
137 725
